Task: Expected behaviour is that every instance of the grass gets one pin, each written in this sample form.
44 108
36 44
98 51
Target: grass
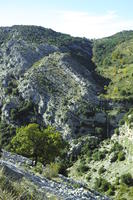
24 189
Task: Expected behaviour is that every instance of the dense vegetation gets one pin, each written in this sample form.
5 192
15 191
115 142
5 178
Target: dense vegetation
113 57
37 143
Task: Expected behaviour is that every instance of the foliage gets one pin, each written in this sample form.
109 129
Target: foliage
124 192
7 131
40 144
101 170
128 117
12 87
127 179
117 131
102 185
89 146
82 168
23 111
52 170
116 147
113 57
88 178
38 168
121 156
64 163
99 155
114 157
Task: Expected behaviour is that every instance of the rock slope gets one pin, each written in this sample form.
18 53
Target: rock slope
13 167
53 73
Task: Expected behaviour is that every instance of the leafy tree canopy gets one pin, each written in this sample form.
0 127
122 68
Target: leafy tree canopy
37 143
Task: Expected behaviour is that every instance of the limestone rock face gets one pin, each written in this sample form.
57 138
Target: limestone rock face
54 73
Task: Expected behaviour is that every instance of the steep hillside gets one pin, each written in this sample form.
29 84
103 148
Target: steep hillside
48 78
107 166
81 87
113 57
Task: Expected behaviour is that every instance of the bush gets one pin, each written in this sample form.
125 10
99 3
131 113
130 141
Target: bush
101 170
127 179
99 155
122 122
98 131
116 147
8 90
121 156
63 168
23 112
82 168
114 157
88 178
7 131
15 92
102 185
38 168
111 191
91 144
52 170
117 131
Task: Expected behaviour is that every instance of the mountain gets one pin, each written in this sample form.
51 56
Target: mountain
48 78
83 88
113 57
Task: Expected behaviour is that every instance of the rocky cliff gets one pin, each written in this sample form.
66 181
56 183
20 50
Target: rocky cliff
48 78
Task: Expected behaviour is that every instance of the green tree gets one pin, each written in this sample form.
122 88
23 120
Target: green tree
37 143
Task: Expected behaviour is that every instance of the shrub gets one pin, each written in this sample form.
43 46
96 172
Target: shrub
122 122
91 144
99 155
111 191
88 178
96 156
116 147
98 131
101 170
82 168
63 167
117 181
15 92
102 185
127 179
7 131
38 168
76 185
121 156
8 90
52 170
114 157
23 112
117 131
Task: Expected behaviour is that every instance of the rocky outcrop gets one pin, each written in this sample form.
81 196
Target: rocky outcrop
57 76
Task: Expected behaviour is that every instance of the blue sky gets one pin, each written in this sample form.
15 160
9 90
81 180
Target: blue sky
85 18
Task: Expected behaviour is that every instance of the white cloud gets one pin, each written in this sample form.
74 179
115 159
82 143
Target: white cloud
91 26
75 23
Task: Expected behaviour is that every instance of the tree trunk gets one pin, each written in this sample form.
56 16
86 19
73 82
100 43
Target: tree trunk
36 159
